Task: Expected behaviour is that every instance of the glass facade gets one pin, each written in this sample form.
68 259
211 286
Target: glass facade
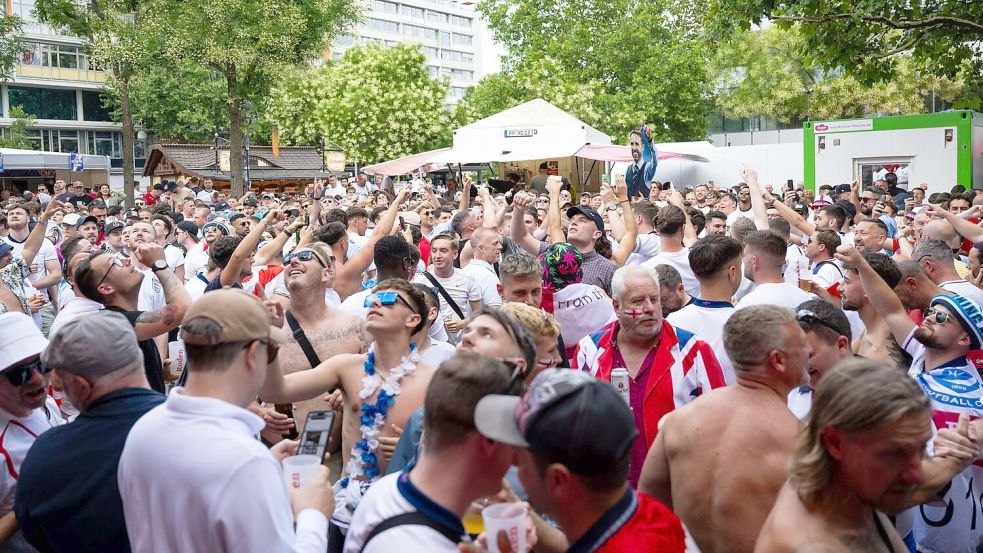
45 103
92 108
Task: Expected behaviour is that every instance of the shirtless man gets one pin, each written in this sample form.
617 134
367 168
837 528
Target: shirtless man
858 460
330 330
739 438
876 342
393 317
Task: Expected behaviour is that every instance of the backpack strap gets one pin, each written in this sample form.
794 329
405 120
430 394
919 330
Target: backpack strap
412 518
447 297
302 340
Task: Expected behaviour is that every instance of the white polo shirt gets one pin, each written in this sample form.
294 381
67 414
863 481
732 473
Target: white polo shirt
485 278
193 478
196 261
782 294
964 289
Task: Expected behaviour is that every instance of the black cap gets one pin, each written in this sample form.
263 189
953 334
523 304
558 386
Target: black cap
842 189
5 248
544 165
131 214
567 416
159 186
84 220
170 186
851 210
190 227
113 225
222 206
250 202
589 213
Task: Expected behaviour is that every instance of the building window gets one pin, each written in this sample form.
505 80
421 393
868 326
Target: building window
462 75
383 26
45 103
36 137
434 71
92 108
436 17
105 143
431 53
415 13
68 141
458 92
445 38
462 40
416 31
459 21
385 7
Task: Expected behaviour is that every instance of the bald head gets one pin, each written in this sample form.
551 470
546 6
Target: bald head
938 229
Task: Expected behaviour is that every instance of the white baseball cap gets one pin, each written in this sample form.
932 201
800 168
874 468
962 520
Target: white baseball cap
20 339
70 219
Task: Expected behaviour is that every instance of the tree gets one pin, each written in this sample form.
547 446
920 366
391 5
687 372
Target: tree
114 42
12 44
376 103
637 61
867 38
247 43
16 133
768 73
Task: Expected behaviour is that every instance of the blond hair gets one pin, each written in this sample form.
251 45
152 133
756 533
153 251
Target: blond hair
752 333
855 396
536 321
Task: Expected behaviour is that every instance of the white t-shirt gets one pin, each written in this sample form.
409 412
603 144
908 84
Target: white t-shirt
738 213
964 289
679 260
391 496
205 196
707 319
355 304
794 258
826 273
800 402
151 292
45 253
437 353
196 286
196 261
953 389
782 294
460 287
485 278
174 256
581 309
647 246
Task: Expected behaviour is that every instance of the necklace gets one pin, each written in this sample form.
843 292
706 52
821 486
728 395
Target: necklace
363 460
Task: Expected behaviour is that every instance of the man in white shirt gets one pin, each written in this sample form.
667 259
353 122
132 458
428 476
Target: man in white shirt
647 244
26 411
205 194
457 466
819 251
937 262
46 271
196 258
716 261
487 246
764 256
225 491
460 287
670 224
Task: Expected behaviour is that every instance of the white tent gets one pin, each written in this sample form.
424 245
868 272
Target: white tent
534 130
94 169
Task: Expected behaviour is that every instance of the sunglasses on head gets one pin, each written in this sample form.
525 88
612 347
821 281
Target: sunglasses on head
305 256
18 375
940 317
517 374
809 317
386 299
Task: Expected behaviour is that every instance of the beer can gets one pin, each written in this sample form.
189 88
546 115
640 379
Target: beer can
621 380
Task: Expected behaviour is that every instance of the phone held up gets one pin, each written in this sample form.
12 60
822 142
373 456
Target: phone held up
317 431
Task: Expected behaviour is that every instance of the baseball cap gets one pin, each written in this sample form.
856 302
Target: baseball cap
170 186
20 339
71 348
967 313
589 213
841 189
411 217
565 415
250 202
113 225
131 214
190 227
71 219
159 186
851 210
217 224
5 248
241 315
222 206
89 218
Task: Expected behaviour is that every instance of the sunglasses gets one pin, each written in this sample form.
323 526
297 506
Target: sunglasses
271 350
306 256
940 317
809 317
18 375
516 374
385 298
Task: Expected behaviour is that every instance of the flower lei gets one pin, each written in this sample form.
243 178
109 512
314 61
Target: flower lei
363 460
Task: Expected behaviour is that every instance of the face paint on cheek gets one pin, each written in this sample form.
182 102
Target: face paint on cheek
633 314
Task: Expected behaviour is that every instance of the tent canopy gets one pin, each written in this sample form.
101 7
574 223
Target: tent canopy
403 165
622 154
14 159
534 130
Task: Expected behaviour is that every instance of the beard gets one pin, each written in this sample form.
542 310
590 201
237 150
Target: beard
928 338
851 305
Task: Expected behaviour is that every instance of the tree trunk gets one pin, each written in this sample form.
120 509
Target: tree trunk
235 146
124 100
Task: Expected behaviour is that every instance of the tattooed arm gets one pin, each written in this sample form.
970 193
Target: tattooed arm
167 318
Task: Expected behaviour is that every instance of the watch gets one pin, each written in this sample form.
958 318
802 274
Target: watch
158 265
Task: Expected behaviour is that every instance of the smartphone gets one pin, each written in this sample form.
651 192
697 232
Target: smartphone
402 223
666 185
790 185
317 430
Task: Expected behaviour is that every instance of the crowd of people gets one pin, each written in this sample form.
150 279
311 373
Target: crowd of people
645 368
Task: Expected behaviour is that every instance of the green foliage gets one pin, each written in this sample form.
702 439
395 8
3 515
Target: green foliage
768 73
611 63
376 103
11 45
15 136
866 37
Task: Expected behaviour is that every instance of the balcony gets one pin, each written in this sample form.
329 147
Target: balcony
59 74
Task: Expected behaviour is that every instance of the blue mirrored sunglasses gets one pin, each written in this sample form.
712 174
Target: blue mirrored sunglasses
385 298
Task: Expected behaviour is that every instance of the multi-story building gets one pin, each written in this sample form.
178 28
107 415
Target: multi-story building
447 31
56 83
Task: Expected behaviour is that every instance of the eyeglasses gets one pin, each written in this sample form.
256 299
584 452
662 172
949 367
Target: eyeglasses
306 256
809 317
865 200
516 374
386 299
940 317
116 262
18 375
